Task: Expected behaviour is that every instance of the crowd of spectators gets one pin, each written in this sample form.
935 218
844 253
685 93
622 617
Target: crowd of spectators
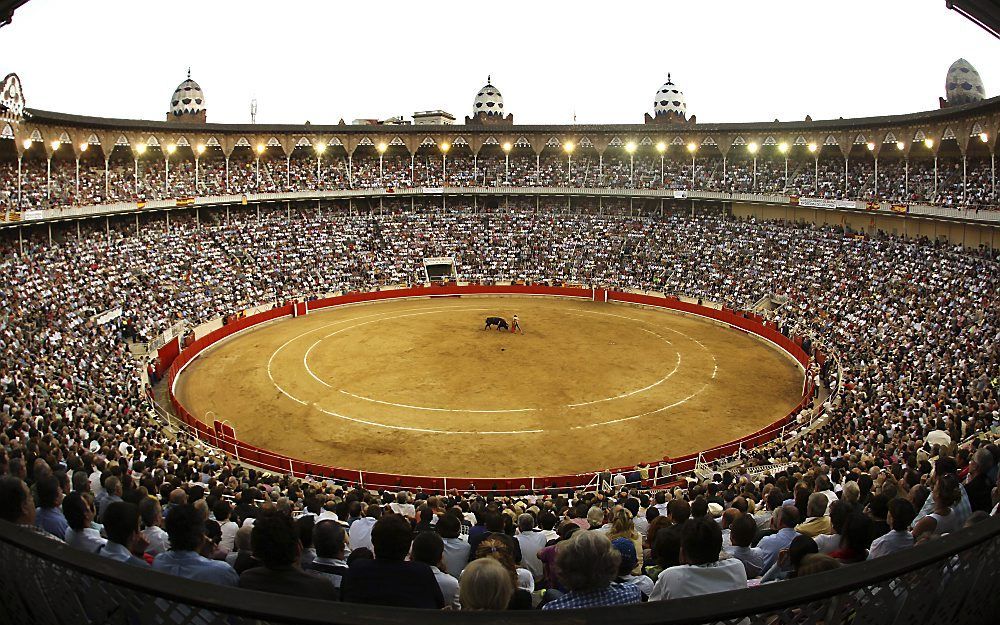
126 180
912 326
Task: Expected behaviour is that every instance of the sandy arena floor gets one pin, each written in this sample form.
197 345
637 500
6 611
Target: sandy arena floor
418 387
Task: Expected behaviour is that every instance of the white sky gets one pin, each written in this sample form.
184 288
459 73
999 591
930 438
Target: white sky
325 60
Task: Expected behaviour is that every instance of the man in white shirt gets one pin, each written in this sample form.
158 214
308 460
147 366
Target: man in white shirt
360 532
429 548
701 572
531 541
456 546
900 516
222 511
152 520
79 515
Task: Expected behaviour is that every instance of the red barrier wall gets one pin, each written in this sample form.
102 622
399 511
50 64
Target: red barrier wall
173 362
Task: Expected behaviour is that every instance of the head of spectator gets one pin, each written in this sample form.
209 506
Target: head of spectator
361 553
498 549
678 511
486 585
900 514
151 512
813 563
701 541
449 526
525 522
629 558
121 524
186 528
391 538
743 531
16 503
817 505
50 494
78 511
785 517
329 539
427 548
595 517
800 547
274 539
587 562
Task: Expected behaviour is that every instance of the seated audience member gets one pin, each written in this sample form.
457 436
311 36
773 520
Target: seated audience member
242 559
125 541
18 507
899 517
79 515
429 549
486 585
840 512
49 516
816 522
498 549
275 542
622 526
943 518
788 560
877 509
547 556
531 541
588 564
626 548
152 522
389 579
700 572
456 549
783 522
741 535
854 540
360 534
978 484
223 511
186 530
329 539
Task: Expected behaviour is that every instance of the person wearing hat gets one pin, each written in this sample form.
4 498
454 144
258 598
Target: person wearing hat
630 560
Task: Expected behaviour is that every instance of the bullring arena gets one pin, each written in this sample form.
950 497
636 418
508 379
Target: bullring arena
663 368
417 386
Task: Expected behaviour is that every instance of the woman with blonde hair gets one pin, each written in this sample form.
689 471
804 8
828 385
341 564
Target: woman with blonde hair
496 549
622 526
486 585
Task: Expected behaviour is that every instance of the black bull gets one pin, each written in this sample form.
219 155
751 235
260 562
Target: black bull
499 322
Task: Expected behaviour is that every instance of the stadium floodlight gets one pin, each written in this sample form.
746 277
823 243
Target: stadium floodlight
692 147
171 148
752 147
900 146
445 147
783 147
661 147
984 137
200 149
568 146
871 146
140 148
84 146
381 147
55 145
812 148
630 147
26 143
507 147
320 148
929 143
260 148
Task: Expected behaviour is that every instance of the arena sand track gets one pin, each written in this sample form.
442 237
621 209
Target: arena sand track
418 387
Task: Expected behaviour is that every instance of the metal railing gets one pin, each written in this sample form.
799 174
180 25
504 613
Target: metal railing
949 580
